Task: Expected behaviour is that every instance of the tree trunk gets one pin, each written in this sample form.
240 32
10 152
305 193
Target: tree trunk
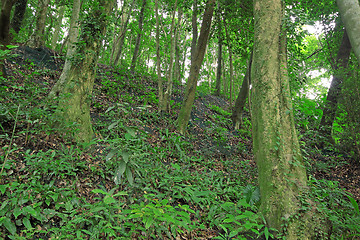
195 30
72 39
243 95
58 25
177 71
80 80
6 6
37 39
334 92
19 13
138 38
231 63
121 38
190 91
165 105
282 175
218 74
350 15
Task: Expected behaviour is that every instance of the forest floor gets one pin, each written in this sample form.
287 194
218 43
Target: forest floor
210 131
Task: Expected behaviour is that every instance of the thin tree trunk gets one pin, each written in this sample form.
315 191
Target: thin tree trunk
6 6
121 38
231 63
56 34
158 67
165 105
19 13
350 15
190 91
38 37
72 39
243 95
138 39
218 74
334 92
177 73
195 30
281 171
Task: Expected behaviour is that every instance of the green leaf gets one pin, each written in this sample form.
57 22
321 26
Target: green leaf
149 222
355 205
10 226
125 156
17 212
30 210
113 125
119 172
129 176
99 191
3 188
27 223
266 232
109 199
110 154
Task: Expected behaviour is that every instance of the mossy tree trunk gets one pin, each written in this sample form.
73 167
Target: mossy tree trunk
329 111
37 39
58 24
191 84
350 15
19 13
80 78
240 102
138 38
282 175
6 6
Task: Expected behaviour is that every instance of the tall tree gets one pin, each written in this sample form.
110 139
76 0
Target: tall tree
191 84
282 175
37 39
81 75
334 92
240 102
19 13
219 67
138 38
165 104
6 6
58 24
350 15
73 37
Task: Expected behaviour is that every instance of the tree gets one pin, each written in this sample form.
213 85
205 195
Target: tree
282 175
243 95
19 13
58 24
37 39
350 15
6 6
73 37
334 92
138 38
219 68
191 84
81 74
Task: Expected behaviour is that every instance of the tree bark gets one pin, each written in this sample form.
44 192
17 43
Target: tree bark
165 105
243 95
37 39
195 30
158 67
72 39
19 13
58 25
138 38
80 79
350 15
121 38
6 6
190 91
334 92
219 60
282 175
